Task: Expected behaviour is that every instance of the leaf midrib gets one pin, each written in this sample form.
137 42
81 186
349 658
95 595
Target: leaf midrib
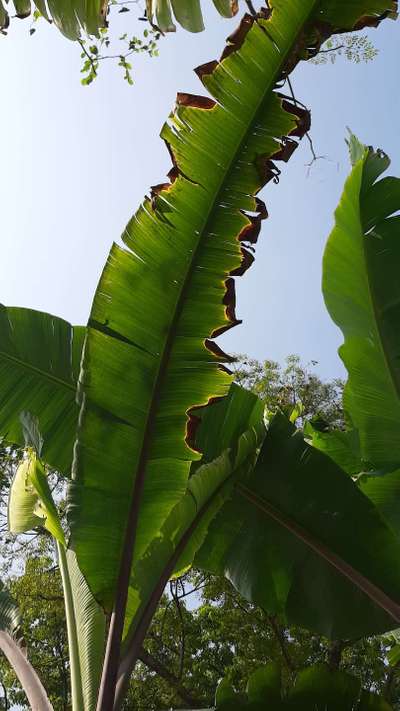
25 365
378 596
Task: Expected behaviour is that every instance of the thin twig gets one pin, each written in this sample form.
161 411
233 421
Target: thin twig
281 639
332 49
157 666
315 157
90 58
174 593
251 8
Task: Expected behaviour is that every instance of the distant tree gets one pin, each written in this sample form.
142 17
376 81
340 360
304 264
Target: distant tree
214 632
38 591
292 385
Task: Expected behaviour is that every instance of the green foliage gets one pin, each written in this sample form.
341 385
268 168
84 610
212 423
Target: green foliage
95 52
39 595
355 48
290 386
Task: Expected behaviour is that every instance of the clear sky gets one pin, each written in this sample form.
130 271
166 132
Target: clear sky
76 162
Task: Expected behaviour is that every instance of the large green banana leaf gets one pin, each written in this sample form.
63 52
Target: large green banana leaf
300 539
70 16
147 357
186 12
39 365
361 287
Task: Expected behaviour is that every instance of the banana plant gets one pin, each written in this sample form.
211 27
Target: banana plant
142 499
70 16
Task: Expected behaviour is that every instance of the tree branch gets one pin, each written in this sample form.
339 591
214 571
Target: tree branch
280 636
251 8
335 652
158 667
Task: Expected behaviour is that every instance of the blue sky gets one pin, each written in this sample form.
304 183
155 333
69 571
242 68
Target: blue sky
76 162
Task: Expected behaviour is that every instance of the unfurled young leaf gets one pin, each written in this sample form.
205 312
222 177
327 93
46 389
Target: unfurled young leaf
30 502
362 292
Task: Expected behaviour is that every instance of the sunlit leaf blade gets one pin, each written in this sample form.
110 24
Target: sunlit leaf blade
227 8
70 16
22 500
30 502
39 365
22 8
300 539
362 292
186 12
163 14
148 359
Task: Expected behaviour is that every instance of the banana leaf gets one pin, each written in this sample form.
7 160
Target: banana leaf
187 13
148 358
39 365
300 539
70 16
362 293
